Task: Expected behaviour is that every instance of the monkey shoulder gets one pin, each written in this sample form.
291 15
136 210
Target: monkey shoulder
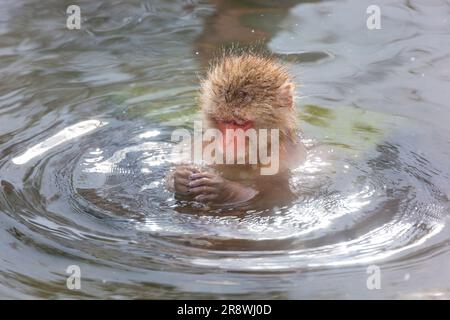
293 156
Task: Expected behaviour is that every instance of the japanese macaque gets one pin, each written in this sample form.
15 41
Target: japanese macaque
244 93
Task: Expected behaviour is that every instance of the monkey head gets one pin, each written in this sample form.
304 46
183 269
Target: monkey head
248 91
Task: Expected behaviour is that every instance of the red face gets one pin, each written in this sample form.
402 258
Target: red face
232 126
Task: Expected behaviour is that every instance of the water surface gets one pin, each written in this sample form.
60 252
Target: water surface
85 123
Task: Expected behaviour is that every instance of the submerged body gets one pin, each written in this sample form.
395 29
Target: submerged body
244 94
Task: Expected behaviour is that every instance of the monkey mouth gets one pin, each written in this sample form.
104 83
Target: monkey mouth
231 140
223 125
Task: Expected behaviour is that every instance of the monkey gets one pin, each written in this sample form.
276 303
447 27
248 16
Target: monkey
243 91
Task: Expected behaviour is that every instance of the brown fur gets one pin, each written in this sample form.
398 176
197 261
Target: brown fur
248 86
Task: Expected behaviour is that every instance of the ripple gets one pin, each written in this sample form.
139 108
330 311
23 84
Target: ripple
85 147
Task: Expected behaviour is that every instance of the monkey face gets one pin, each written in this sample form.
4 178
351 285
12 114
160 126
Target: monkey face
248 91
252 105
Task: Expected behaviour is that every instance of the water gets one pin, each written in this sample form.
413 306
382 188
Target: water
85 124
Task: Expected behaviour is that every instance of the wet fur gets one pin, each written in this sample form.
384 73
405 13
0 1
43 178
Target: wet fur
248 86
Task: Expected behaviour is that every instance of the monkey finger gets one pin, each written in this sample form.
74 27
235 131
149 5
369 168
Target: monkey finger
190 169
201 175
206 197
202 190
200 182
183 173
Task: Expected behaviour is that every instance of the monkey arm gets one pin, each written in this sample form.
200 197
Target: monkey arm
237 192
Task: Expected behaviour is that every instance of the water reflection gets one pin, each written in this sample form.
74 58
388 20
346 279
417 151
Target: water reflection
61 137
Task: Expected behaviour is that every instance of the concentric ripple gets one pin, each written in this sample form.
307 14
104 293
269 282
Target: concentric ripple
83 161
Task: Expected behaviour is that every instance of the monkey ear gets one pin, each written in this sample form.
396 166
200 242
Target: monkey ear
286 95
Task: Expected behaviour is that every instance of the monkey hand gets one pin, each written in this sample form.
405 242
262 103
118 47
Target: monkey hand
181 180
210 187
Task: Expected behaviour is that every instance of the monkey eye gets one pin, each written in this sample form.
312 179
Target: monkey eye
244 96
